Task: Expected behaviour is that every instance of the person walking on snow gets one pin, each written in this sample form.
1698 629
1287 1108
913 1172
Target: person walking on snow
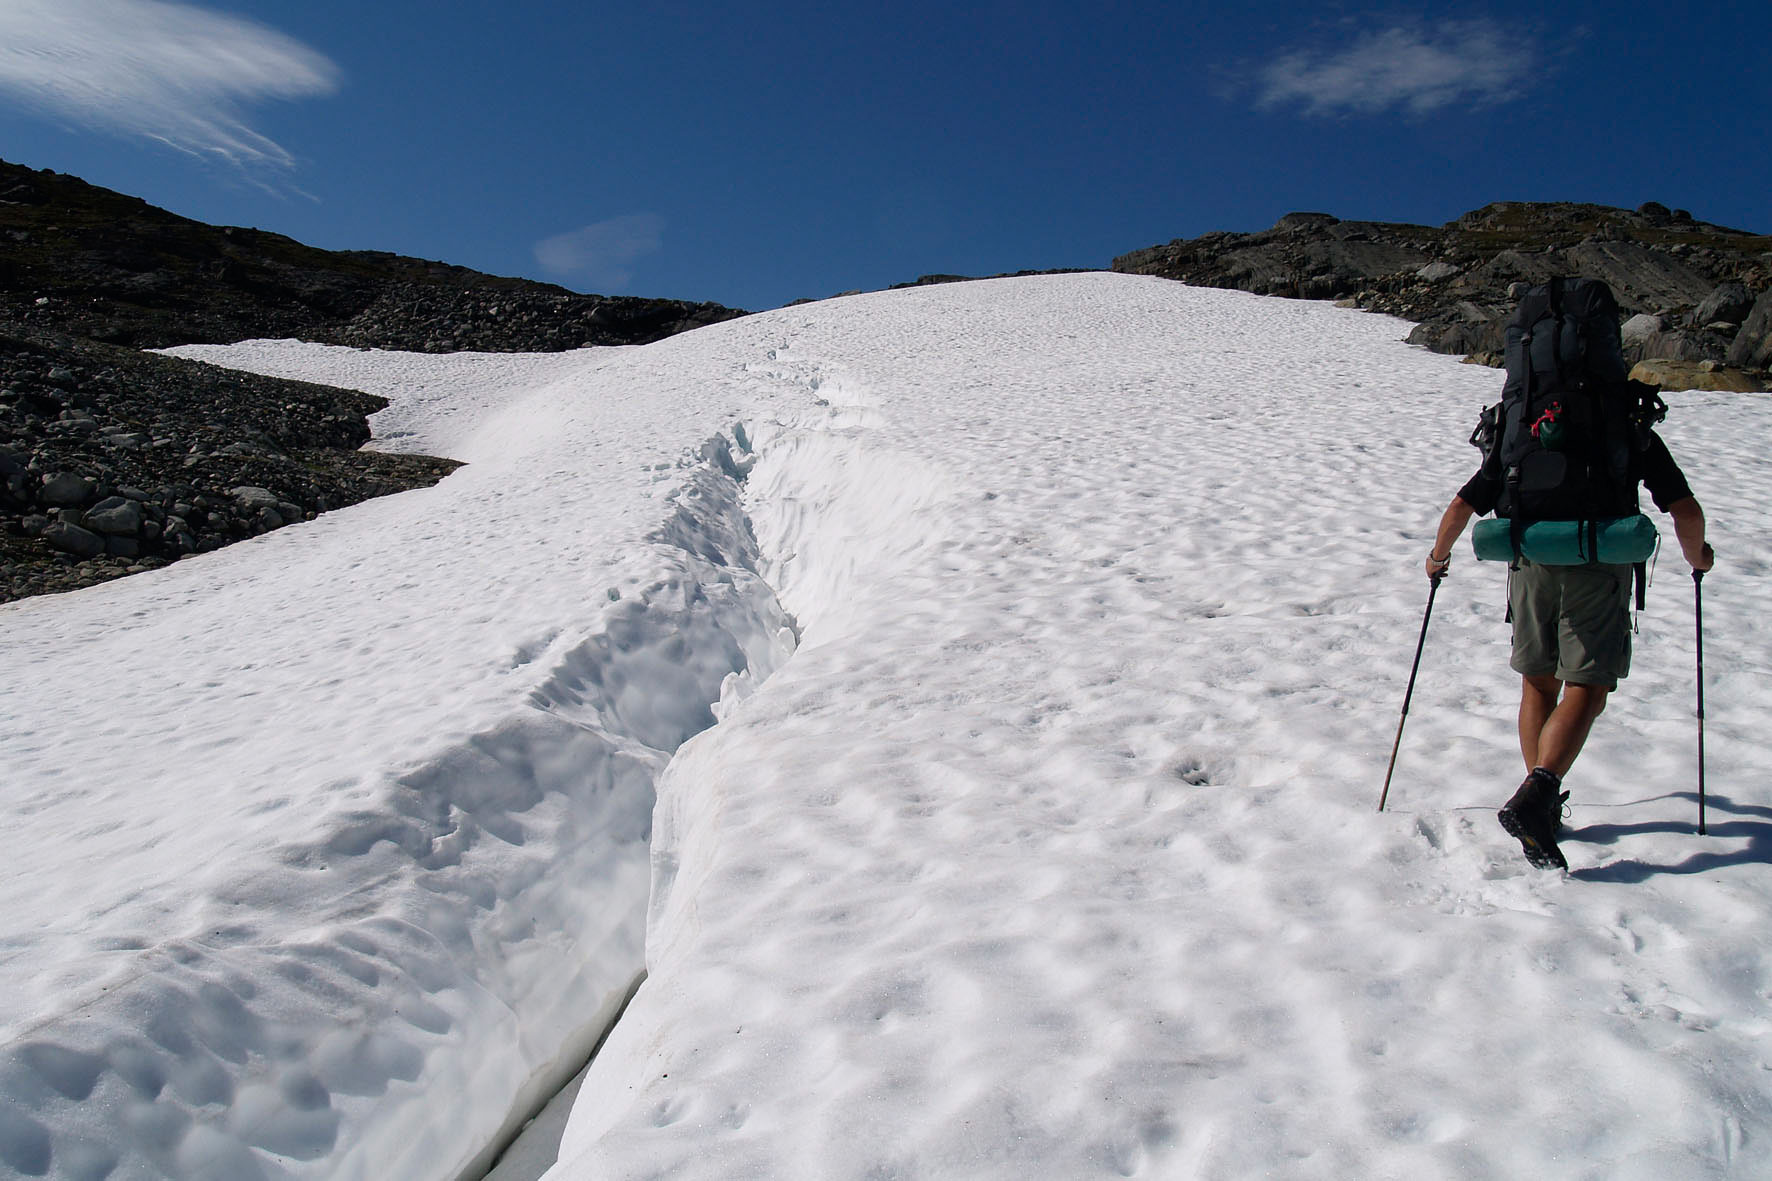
1571 640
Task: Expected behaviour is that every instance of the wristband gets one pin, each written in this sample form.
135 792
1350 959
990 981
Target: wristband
1440 562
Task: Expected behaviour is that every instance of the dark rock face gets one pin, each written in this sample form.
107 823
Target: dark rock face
1458 281
114 461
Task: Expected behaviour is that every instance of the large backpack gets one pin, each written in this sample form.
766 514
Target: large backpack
1562 437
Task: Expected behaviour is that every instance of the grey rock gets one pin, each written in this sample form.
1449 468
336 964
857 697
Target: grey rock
1434 272
66 489
122 547
250 497
1640 327
71 539
1730 302
115 515
1753 344
1679 345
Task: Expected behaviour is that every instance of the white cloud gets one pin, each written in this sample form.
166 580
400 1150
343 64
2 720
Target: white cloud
166 71
600 255
1414 67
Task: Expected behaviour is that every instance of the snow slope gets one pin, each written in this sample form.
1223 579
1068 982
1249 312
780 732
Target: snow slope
1053 852
1047 848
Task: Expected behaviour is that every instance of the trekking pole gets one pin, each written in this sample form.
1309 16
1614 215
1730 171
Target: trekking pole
1698 614
1433 589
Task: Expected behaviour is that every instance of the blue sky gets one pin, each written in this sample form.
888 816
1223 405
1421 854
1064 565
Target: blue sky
754 154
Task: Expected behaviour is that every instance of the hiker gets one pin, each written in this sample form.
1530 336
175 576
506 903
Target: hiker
1571 622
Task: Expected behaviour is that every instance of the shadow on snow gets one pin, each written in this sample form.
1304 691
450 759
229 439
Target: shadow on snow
1754 826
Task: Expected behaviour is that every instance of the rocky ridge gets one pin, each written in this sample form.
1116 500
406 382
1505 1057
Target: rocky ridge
114 461
1698 296
89 262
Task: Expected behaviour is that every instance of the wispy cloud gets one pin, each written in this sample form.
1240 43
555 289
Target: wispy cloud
602 255
166 71
1415 67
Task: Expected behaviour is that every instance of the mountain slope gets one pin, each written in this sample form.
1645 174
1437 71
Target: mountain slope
90 262
1047 847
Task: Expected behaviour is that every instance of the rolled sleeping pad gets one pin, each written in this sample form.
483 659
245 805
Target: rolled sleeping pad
1622 540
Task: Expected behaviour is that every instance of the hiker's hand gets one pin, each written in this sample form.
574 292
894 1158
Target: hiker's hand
1707 557
1438 567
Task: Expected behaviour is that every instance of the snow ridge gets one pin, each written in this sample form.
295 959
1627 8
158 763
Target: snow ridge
295 1042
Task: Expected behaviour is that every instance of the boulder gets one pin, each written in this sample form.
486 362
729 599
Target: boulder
67 490
115 516
1678 344
249 497
1434 272
1453 333
1730 302
1696 375
1752 348
1640 328
71 539
178 536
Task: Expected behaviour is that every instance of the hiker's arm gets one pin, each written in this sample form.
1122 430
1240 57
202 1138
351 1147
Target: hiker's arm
1689 528
1458 514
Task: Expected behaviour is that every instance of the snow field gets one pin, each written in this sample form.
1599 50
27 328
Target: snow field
1057 630
339 867
1053 852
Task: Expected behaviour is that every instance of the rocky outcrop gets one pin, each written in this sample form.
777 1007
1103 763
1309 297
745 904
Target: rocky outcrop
114 461
1459 281
1752 347
86 261
1695 375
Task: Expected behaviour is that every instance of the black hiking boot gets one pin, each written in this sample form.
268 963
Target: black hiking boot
1534 816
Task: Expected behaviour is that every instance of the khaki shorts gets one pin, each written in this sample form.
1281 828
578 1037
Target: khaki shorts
1571 622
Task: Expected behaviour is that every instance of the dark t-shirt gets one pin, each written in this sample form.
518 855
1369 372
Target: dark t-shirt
1653 467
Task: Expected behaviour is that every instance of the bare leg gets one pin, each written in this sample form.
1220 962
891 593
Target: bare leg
1551 731
1538 698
